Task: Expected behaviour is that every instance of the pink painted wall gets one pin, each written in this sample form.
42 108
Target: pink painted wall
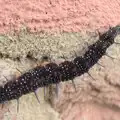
55 15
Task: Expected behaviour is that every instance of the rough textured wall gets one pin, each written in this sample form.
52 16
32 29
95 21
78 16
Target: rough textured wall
66 19
58 15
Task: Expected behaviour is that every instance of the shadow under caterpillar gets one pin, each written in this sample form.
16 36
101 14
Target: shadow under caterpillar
52 73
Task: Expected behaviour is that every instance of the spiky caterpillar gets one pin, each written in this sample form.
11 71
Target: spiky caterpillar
52 73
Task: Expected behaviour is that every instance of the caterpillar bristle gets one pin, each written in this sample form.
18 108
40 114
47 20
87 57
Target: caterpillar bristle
73 83
100 64
91 76
5 78
19 71
64 57
37 97
57 90
110 56
17 105
45 58
98 33
2 106
44 92
117 43
75 53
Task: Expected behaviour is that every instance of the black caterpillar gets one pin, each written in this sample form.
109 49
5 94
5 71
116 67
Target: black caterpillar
52 73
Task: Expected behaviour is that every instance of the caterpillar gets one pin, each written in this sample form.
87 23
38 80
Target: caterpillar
53 73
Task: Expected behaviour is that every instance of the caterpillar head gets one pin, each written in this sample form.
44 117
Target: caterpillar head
110 35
